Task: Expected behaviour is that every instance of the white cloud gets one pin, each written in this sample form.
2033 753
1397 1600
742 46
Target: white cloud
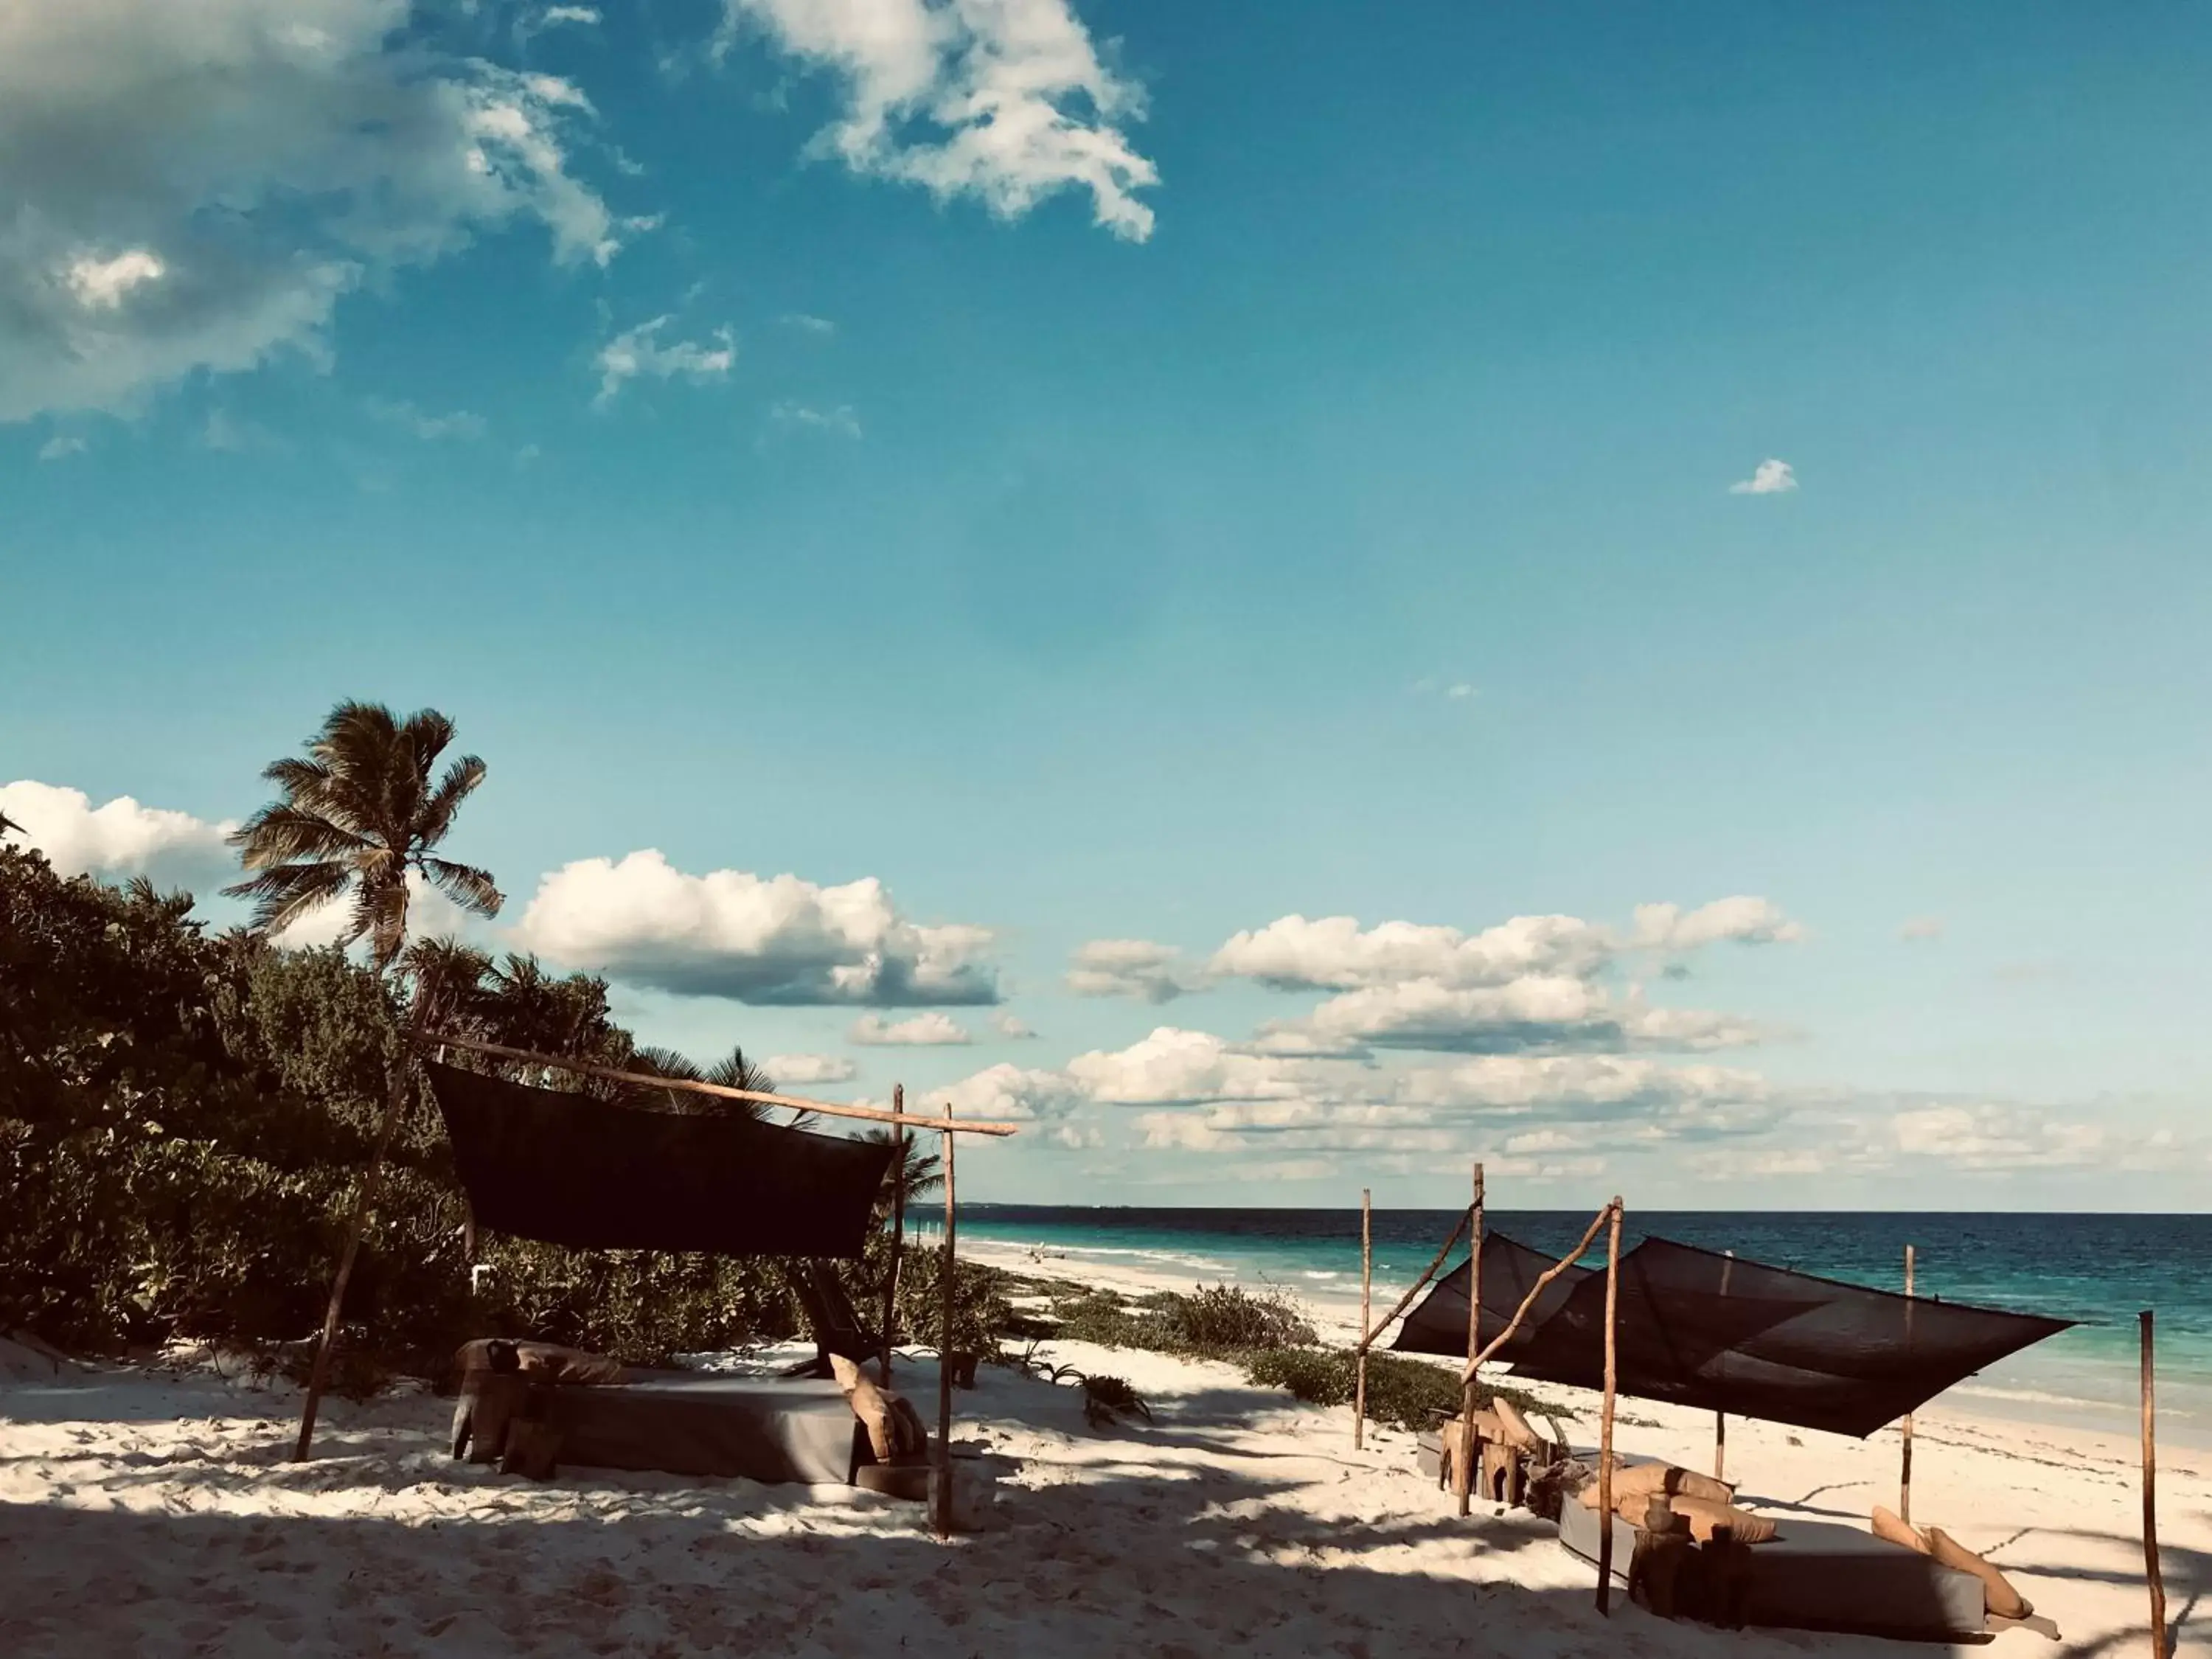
430 427
1529 985
430 915
821 327
103 284
145 241
1132 968
119 838
1005 100
1921 928
841 421
1769 477
60 448
638 352
1008 1093
775 939
1459 691
1010 1026
790 1071
1996 1137
584 15
1537 1014
1742 921
932 1029
1194 1091
1335 953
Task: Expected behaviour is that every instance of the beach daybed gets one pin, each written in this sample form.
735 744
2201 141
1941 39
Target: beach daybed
1824 1575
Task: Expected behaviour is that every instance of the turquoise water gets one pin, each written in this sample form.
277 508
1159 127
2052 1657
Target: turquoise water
2097 1269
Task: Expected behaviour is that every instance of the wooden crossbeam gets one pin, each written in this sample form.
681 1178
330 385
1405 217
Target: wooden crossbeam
647 1080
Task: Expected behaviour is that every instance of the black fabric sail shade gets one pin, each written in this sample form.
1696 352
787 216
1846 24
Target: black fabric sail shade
1696 1328
575 1170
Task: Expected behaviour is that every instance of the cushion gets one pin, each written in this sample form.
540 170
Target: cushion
549 1360
1637 1481
911 1438
1996 1589
1706 1517
893 1425
1513 1428
1886 1525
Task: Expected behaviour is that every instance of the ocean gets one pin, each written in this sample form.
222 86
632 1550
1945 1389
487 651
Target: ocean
2097 1269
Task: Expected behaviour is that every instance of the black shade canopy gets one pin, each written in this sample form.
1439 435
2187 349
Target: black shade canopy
1438 1323
573 1170
1717 1331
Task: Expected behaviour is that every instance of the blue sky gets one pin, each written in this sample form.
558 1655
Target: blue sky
1278 464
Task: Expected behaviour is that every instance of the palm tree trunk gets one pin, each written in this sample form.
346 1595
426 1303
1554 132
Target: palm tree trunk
402 1072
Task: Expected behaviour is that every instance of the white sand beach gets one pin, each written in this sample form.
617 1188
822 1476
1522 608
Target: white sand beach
155 1513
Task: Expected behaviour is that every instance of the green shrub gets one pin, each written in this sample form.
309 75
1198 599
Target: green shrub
1226 1319
1411 1394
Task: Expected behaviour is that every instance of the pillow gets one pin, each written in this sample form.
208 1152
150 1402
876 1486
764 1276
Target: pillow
549 1360
1704 1516
1638 1481
1630 1481
1997 1593
1513 1428
893 1425
911 1438
558 1364
1887 1526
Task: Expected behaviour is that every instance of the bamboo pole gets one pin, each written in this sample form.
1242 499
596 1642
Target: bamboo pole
2151 1570
364 1203
1535 1290
1464 1485
1605 1414
898 1226
1904 1467
1367 1337
646 1079
1366 1298
1720 1418
943 1517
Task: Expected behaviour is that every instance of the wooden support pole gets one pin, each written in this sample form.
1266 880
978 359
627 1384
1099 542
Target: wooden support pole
1720 1418
1605 1414
364 1203
1366 1310
1905 1466
898 1225
2151 1570
943 1517
1464 1485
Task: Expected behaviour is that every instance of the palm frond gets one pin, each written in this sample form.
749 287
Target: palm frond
459 782
465 884
384 904
281 833
282 895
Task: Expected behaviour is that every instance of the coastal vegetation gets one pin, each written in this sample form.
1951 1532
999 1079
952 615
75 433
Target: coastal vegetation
1265 1334
186 1113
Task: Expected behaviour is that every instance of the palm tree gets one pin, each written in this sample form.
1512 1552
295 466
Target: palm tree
356 815
916 1175
732 1070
